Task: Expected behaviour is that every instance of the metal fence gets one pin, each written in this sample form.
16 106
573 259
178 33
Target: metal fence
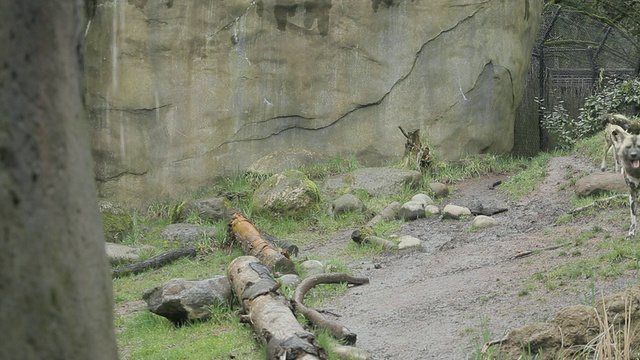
573 51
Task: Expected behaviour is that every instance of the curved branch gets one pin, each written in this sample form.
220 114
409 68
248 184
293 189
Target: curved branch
336 329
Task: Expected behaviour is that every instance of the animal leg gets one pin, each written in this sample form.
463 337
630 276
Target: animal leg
632 212
603 165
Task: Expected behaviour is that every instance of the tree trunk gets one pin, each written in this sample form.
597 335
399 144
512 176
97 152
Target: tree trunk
254 244
269 312
54 273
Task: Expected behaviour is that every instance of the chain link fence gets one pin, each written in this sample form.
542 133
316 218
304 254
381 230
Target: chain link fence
574 55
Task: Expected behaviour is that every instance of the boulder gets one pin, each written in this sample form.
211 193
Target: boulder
287 193
287 159
382 181
116 222
208 209
181 300
187 234
600 182
327 76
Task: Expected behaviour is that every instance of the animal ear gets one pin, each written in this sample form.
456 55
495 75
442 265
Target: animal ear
618 136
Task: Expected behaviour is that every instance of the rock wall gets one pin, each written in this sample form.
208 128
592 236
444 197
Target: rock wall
181 91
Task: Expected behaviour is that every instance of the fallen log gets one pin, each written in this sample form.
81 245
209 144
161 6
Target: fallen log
337 330
155 262
253 243
269 313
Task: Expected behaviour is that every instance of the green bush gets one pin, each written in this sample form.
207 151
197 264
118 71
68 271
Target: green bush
611 97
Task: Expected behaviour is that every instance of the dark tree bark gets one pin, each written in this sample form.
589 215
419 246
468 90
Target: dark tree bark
155 262
54 273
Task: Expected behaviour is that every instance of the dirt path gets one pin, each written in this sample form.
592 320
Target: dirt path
431 302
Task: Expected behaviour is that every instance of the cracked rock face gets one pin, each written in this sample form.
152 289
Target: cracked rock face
178 92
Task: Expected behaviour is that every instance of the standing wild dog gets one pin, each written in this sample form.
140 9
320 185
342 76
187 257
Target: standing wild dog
629 156
612 139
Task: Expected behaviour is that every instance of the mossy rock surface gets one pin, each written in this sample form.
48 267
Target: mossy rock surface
289 193
116 222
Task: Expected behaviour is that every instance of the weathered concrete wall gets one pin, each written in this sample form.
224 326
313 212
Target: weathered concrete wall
181 91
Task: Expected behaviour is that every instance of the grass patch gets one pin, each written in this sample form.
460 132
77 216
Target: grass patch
144 335
525 181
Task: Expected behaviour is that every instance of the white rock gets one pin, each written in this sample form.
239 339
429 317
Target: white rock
407 241
432 210
422 198
455 212
312 267
483 221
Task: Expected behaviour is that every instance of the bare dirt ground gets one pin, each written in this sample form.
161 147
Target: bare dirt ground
431 302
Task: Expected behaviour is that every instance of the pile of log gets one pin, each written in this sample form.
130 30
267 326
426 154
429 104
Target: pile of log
264 306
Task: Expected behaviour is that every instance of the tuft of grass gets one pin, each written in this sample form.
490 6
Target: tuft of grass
525 181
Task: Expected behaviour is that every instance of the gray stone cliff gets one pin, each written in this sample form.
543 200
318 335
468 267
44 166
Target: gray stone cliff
181 91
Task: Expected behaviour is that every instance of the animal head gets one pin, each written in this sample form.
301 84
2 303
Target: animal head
616 134
629 153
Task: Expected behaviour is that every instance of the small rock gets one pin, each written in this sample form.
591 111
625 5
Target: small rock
411 210
432 210
291 280
312 267
344 352
407 241
187 234
389 213
346 203
208 209
483 221
455 212
439 189
422 198
122 253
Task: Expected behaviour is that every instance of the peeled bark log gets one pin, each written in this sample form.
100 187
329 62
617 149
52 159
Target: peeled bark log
269 313
253 243
337 330
153 263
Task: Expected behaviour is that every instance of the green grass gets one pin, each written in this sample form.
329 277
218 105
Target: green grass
143 335
524 182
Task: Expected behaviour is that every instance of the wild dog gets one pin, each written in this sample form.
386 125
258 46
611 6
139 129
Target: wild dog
612 139
629 156
613 124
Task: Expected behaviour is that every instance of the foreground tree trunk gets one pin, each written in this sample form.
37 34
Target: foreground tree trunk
269 313
255 244
54 273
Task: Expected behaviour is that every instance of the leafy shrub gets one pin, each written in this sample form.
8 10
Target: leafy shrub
611 97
